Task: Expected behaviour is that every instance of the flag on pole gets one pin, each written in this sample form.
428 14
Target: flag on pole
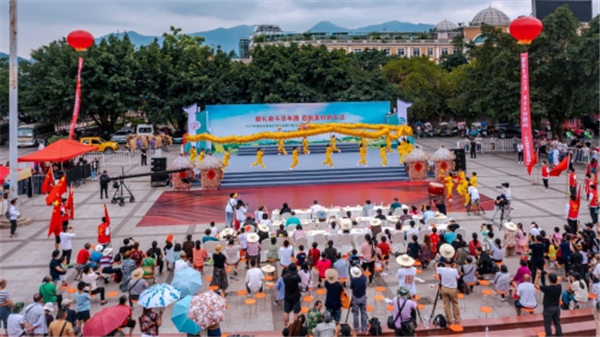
562 166
106 216
57 191
48 182
532 163
71 204
55 220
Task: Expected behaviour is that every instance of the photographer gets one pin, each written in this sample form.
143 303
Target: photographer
504 188
500 205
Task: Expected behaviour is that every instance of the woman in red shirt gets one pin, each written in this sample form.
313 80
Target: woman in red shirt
435 240
322 265
474 244
313 255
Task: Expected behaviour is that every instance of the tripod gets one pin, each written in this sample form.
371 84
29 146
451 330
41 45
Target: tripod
118 196
437 296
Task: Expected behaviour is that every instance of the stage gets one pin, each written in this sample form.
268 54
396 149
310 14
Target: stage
202 206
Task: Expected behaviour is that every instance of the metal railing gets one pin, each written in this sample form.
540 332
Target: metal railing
489 145
117 158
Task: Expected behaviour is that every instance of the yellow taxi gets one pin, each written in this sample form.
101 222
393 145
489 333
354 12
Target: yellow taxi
103 145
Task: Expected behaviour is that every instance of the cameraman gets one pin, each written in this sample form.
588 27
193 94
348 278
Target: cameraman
504 188
500 205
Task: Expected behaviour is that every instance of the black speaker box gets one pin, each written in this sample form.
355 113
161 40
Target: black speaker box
460 162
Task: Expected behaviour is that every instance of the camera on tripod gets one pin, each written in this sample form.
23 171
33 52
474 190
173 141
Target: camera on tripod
116 184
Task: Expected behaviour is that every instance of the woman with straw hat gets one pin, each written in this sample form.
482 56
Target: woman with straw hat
333 304
510 238
219 278
407 273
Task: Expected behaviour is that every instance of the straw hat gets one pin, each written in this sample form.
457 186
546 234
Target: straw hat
218 248
263 228
49 306
252 237
107 251
66 302
355 272
376 222
268 269
346 224
405 260
510 226
447 251
99 248
331 275
137 274
226 232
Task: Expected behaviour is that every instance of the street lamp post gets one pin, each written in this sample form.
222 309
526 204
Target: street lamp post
12 99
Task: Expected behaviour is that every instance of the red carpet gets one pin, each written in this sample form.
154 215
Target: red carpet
201 207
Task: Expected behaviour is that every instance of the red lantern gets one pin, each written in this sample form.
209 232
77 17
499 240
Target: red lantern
80 40
525 29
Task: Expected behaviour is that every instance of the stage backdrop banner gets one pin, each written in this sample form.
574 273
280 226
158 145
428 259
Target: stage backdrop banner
247 119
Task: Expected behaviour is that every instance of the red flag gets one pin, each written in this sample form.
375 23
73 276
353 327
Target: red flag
48 182
106 216
562 166
532 163
55 220
579 197
57 191
71 204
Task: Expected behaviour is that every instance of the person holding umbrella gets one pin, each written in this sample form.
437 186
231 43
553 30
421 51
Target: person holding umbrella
150 321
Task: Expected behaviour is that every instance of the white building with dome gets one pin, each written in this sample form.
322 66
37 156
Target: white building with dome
489 16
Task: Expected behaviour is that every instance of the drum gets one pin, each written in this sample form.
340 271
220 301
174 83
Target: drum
436 188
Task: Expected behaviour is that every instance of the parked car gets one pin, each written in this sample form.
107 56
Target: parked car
507 130
446 130
178 137
103 145
120 136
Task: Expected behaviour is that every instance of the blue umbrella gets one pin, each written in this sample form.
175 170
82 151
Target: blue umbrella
180 318
158 296
188 281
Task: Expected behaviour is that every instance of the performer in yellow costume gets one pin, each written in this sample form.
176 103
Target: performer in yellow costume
328 153
403 150
388 144
305 149
474 179
409 147
294 158
193 154
363 142
281 148
363 155
226 156
449 183
383 155
333 143
201 156
259 160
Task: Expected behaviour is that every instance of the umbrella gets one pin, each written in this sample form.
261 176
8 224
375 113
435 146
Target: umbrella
207 309
106 320
180 318
187 281
158 296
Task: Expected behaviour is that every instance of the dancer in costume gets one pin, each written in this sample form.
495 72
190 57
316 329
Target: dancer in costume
388 144
281 148
201 156
402 151
409 147
259 160
473 180
449 183
363 155
193 154
328 153
226 156
294 158
334 144
305 149
383 155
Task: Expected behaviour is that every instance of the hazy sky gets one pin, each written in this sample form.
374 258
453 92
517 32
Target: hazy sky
42 21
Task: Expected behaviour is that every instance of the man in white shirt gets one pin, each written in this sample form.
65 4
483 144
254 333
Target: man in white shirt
16 324
474 198
448 280
526 295
181 264
66 244
254 279
285 254
406 275
315 208
519 152
412 231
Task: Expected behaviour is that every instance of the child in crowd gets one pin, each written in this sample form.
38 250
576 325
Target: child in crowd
213 229
177 252
168 249
84 304
301 256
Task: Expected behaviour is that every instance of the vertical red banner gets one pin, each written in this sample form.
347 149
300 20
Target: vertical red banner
77 100
526 136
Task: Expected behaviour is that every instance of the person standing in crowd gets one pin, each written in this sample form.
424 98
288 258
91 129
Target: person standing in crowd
552 294
136 285
404 308
6 304
367 251
473 148
291 282
104 233
94 168
150 321
519 152
199 256
144 156
61 327
66 243
593 203
35 317
104 180
229 209
13 214
572 213
595 289
219 275
407 273
16 323
545 175
333 303
448 279
572 182
358 284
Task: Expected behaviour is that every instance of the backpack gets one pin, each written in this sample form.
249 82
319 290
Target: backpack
440 321
374 327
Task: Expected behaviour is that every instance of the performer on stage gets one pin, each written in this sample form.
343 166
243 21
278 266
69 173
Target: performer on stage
388 144
449 183
193 154
259 160
473 180
281 148
305 149
294 158
462 182
383 154
402 150
226 156
363 154
328 153
333 143
201 156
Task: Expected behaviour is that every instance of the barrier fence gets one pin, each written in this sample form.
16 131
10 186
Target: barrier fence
118 158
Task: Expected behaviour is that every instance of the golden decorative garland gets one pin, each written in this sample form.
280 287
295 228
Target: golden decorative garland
307 130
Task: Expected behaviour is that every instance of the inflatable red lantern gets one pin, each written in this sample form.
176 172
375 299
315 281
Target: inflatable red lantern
80 40
525 29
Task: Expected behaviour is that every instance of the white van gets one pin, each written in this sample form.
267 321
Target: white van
144 130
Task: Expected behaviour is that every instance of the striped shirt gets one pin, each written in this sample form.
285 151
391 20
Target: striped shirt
106 261
4 296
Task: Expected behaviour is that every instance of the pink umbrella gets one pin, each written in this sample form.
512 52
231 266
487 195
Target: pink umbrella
207 309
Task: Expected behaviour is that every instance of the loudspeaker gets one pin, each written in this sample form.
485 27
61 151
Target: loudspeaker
460 162
158 164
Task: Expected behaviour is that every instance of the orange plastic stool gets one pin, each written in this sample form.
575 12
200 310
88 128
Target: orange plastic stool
369 308
380 289
112 294
455 328
304 310
420 306
268 278
250 303
486 310
308 299
484 282
213 287
417 297
487 292
208 279
529 310
461 296
389 307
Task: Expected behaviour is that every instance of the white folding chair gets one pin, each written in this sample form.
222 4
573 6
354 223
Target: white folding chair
407 222
209 247
378 237
320 240
398 245
285 216
422 234
384 223
398 211
335 239
462 232
431 221
372 212
346 244
322 226
301 241
360 239
264 249
423 227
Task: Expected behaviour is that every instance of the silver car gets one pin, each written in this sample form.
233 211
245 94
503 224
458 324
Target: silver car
120 137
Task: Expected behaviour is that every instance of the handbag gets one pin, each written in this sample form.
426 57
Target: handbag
345 299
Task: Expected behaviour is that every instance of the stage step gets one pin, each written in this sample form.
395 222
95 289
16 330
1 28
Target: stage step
325 175
314 148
